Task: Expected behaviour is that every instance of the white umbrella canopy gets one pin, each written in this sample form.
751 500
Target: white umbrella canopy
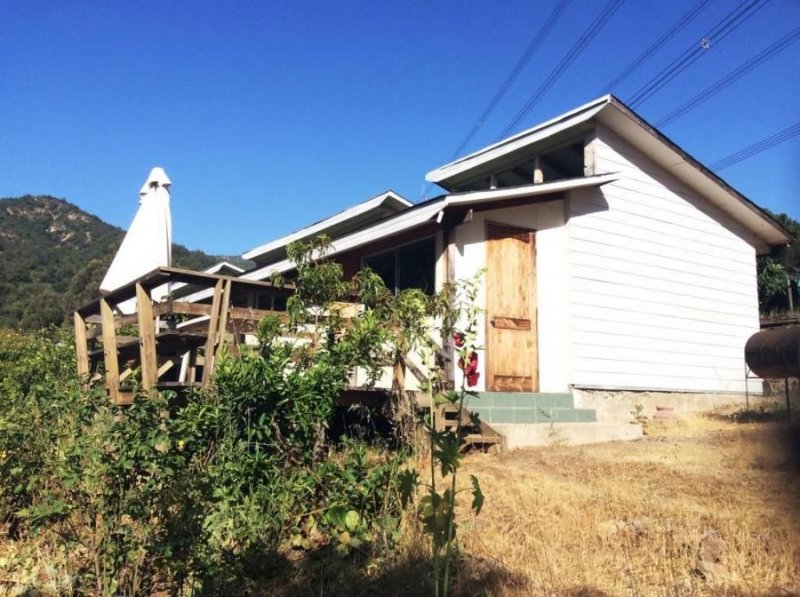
148 242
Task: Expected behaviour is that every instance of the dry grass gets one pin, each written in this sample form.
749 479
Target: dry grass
628 518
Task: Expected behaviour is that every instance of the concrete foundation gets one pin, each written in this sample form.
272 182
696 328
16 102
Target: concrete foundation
565 434
619 405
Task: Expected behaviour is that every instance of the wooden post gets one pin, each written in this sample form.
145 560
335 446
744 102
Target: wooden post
450 278
81 349
110 351
222 323
147 338
588 153
191 372
399 381
538 175
788 403
211 340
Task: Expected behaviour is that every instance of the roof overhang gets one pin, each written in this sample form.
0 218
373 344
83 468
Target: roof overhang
617 117
505 152
434 211
371 209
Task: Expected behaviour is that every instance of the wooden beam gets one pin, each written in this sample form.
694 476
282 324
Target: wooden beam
165 367
147 338
248 314
184 308
211 340
110 351
81 349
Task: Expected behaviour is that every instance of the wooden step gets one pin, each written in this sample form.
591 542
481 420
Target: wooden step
477 438
473 431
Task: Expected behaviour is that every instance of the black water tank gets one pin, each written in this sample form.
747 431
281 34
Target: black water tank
774 353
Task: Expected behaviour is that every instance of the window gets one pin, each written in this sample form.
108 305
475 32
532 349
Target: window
409 266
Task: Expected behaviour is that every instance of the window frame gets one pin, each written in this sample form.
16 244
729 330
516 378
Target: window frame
394 249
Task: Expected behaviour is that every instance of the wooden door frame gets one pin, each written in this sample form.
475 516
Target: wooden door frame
533 304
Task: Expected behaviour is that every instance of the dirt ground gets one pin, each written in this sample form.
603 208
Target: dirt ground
708 506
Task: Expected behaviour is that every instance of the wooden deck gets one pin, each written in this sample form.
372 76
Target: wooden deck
174 344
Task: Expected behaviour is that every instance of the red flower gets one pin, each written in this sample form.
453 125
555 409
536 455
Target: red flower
470 368
458 339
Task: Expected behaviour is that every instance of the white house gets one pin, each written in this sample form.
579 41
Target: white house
614 260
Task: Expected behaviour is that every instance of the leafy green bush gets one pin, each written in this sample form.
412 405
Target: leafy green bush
206 497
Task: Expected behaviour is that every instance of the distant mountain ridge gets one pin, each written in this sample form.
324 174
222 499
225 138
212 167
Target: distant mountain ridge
53 256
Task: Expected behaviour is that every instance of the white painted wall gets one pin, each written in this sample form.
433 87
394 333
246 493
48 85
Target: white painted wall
663 290
551 251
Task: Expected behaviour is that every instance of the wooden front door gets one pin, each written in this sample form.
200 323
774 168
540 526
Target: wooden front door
512 359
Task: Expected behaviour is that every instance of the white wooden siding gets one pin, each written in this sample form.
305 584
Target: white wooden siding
662 285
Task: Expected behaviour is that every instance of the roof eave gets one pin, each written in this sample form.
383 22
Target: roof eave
342 216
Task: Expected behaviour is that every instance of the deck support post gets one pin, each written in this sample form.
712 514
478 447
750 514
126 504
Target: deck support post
211 340
81 349
217 327
147 338
222 322
110 351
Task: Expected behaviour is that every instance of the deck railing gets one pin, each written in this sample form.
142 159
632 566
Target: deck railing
173 341
127 329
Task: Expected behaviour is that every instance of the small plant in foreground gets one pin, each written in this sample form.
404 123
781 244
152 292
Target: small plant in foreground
639 418
437 507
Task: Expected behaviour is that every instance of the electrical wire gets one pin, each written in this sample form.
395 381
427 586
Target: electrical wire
526 56
721 30
657 45
730 78
757 148
574 52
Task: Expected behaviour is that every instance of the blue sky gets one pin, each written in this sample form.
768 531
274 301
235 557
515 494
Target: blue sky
270 115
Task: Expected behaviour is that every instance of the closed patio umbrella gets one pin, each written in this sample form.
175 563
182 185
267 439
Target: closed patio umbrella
148 242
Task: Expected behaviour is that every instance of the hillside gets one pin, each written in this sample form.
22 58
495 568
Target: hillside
53 256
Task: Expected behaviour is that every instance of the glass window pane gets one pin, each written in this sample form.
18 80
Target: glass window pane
383 265
416 266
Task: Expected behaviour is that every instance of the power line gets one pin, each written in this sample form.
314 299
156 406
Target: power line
657 45
757 148
544 30
730 78
576 50
721 30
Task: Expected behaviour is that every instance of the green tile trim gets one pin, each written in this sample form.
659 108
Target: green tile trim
522 399
527 408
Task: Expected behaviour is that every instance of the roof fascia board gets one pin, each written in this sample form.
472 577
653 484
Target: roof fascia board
533 135
342 216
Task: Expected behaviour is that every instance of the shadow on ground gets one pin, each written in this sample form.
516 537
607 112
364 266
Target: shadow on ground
323 572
